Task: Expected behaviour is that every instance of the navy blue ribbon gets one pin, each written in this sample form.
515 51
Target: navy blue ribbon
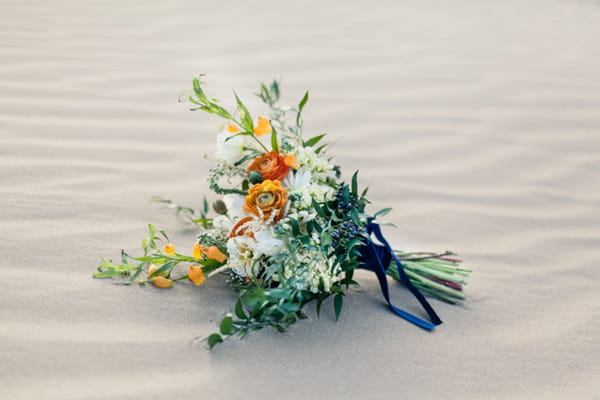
377 258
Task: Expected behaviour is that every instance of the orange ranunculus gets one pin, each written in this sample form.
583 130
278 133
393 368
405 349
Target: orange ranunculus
162 282
197 251
263 127
291 161
270 165
169 249
196 275
238 230
267 196
213 253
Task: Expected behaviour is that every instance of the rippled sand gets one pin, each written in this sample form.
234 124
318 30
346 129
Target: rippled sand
478 123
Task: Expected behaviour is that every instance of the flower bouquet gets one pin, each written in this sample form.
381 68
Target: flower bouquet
286 229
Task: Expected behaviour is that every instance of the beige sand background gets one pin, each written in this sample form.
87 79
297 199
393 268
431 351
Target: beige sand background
478 122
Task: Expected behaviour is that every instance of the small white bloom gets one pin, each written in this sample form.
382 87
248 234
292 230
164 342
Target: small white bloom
222 222
297 181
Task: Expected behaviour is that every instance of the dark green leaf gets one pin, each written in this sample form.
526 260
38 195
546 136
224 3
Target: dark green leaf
338 301
239 310
245 185
318 209
275 91
355 184
164 268
213 340
320 149
226 326
314 140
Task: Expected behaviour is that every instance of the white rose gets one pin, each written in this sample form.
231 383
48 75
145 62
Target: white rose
235 205
229 149
267 244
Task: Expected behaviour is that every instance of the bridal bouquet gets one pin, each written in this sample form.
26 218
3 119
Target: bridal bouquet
285 228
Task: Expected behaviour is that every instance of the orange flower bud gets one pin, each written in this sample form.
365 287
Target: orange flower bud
154 268
162 282
213 253
169 249
196 275
232 128
197 251
291 161
263 127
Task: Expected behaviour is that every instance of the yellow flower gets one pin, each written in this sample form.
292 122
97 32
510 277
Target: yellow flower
196 275
162 282
197 251
213 253
263 127
291 161
232 128
169 249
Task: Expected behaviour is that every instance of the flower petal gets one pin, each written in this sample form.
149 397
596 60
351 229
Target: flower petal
196 275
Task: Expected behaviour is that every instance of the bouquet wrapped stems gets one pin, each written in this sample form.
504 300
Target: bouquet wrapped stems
439 275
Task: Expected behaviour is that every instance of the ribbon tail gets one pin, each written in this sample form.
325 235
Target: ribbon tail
377 259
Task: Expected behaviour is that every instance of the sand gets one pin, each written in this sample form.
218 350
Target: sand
478 122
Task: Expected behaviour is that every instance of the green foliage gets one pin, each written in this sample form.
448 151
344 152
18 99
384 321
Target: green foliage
198 217
133 267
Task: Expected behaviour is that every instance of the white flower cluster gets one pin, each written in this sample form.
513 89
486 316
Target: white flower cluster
320 168
251 240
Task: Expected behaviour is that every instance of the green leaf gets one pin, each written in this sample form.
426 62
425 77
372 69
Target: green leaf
239 310
275 91
164 268
245 185
314 140
247 123
355 184
319 304
338 301
300 107
320 149
106 274
303 102
382 212
295 227
274 144
213 340
318 209
226 326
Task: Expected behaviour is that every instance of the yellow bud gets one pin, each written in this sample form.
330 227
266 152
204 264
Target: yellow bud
263 127
197 251
169 249
196 275
162 282
213 253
